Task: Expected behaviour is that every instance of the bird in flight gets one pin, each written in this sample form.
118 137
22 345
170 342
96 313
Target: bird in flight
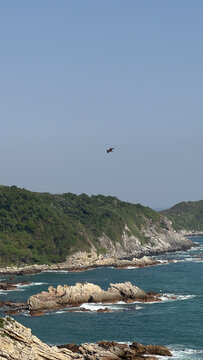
110 150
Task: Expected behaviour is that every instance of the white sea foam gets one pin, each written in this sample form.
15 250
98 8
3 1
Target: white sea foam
37 283
94 306
167 298
166 261
3 292
196 259
180 352
193 259
56 271
21 287
60 312
31 284
112 307
120 302
188 259
175 297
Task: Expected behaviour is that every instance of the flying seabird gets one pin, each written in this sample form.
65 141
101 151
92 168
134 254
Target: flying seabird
110 150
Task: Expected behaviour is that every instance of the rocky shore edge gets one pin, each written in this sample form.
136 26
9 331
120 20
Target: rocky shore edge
81 261
17 342
190 233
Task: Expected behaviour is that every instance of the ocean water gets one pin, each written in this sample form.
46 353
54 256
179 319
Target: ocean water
177 324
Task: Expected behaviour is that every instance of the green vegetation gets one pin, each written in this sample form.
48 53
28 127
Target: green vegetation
45 228
187 215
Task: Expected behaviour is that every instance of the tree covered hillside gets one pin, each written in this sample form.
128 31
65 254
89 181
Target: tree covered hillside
45 228
187 215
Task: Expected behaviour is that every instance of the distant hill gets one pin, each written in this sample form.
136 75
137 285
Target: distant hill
187 215
45 228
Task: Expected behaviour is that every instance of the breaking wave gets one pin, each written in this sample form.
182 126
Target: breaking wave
112 307
180 352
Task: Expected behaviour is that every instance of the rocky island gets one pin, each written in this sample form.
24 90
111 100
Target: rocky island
17 342
73 297
88 293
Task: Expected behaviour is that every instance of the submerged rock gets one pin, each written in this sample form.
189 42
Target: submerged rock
11 285
13 308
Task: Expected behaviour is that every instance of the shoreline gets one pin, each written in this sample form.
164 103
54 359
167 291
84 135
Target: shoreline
132 254
82 261
191 233
118 264
144 261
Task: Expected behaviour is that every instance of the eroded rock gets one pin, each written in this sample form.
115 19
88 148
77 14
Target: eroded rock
87 293
17 342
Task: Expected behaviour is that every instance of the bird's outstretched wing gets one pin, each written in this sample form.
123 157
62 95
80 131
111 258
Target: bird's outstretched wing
110 150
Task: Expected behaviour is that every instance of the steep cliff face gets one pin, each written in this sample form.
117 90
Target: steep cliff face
158 240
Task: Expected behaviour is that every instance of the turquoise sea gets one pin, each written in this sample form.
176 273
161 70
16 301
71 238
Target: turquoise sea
177 324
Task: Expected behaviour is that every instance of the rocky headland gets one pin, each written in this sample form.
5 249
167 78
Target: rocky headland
43 228
130 254
17 342
81 293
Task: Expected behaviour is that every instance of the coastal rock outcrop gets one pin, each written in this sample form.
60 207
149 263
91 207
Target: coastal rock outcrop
82 261
17 342
86 293
116 351
11 285
13 308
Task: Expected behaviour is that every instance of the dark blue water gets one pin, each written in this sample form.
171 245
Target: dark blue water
175 323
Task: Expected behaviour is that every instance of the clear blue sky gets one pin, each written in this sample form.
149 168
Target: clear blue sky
79 76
